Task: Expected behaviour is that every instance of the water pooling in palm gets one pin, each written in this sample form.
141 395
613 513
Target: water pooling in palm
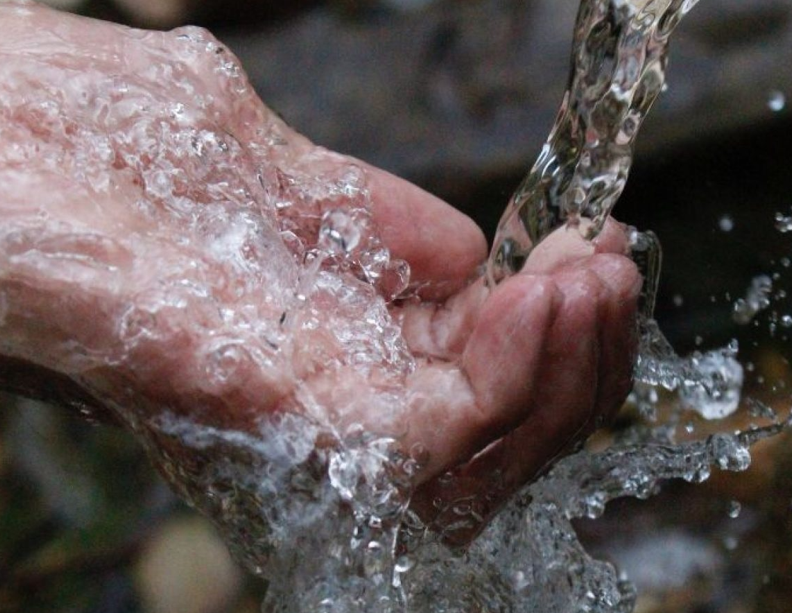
618 69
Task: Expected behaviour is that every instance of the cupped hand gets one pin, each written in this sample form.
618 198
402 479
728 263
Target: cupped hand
168 243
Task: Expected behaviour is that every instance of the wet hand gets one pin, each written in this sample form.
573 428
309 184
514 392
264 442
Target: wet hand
164 246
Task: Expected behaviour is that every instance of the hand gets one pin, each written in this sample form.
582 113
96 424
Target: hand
162 249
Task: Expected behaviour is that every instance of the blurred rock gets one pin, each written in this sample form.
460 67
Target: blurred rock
186 567
451 97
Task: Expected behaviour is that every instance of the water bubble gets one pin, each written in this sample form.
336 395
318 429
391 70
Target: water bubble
678 300
645 399
734 509
699 474
594 505
420 454
339 233
776 101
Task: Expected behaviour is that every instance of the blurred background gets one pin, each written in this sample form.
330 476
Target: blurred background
458 96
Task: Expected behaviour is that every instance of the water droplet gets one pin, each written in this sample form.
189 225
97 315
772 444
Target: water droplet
757 298
594 505
678 300
726 223
223 362
729 453
734 509
783 223
776 101
403 564
375 547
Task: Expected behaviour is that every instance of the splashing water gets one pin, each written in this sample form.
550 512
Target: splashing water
329 526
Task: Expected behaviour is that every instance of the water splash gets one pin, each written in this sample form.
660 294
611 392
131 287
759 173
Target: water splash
618 70
321 510
324 515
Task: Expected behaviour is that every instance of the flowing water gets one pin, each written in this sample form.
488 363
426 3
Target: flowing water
618 69
314 502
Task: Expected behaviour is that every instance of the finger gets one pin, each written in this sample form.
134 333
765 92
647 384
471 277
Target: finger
600 364
443 246
618 331
560 405
568 372
566 245
442 329
613 238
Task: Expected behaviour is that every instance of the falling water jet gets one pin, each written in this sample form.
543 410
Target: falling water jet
619 59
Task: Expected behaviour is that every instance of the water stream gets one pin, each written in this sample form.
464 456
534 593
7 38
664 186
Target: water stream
619 59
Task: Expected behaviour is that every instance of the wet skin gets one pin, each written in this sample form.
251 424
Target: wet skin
504 380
